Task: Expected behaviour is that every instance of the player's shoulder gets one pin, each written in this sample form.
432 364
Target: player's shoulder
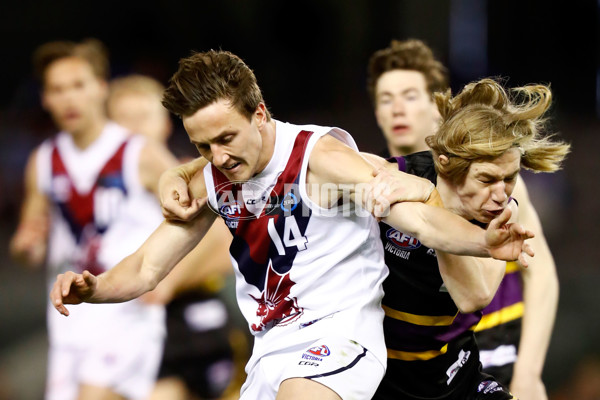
321 133
420 164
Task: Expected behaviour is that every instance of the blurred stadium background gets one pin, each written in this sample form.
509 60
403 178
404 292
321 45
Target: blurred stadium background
310 59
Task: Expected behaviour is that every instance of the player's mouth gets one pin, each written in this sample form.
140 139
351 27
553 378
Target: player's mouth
494 213
232 167
399 129
71 115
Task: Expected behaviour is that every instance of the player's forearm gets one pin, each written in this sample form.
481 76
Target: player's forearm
540 297
471 282
189 169
124 282
144 269
438 228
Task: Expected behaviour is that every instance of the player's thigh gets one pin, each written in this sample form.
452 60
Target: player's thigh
61 379
171 388
90 392
335 367
128 365
301 389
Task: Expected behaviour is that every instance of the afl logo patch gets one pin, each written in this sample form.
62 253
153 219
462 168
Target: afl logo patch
402 240
231 210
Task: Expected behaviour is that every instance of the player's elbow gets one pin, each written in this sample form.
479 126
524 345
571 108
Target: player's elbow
148 281
142 272
477 300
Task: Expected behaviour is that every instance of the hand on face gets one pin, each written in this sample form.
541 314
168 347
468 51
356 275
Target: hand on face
507 241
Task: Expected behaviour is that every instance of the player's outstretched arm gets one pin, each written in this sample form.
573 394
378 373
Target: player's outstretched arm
442 230
28 244
332 162
472 282
139 272
207 261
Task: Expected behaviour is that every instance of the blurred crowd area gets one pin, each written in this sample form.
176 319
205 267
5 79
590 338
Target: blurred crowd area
312 70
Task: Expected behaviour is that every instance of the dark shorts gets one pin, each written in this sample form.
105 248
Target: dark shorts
488 389
480 386
203 359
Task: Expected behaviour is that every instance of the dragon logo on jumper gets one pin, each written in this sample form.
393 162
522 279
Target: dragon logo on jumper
402 240
275 305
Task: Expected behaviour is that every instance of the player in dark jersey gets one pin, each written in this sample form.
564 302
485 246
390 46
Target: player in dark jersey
402 79
431 298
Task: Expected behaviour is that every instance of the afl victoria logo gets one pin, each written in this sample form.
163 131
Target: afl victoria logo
321 351
402 240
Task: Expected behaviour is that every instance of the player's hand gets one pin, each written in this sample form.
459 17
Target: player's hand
528 388
72 288
28 245
507 241
393 186
175 200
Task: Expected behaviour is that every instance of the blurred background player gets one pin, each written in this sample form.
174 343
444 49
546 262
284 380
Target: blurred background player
205 352
401 81
89 202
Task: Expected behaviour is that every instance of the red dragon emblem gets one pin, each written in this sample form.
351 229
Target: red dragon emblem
275 306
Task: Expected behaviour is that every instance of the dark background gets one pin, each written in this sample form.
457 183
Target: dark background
310 60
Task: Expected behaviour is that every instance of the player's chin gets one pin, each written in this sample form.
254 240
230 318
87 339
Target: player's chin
484 219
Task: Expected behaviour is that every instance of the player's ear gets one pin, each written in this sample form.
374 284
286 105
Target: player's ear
103 85
260 115
44 100
443 159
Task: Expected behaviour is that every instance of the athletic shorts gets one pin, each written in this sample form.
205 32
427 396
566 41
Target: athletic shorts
479 386
490 389
197 348
127 365
341 364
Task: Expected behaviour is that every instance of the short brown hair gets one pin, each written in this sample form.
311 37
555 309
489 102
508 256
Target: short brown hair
411 54
204 78
135 84
484 120
91 50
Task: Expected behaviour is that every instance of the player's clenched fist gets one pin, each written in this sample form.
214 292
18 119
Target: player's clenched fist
72 288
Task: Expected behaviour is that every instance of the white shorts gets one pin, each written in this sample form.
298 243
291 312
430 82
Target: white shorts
128 366
341 364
